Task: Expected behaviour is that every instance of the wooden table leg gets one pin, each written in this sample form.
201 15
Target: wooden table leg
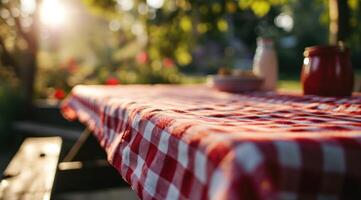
85 168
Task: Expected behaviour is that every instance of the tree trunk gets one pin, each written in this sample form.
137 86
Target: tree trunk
25 71
339 21
31 69
28 83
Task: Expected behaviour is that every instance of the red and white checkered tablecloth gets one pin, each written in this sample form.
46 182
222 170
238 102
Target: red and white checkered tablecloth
191 142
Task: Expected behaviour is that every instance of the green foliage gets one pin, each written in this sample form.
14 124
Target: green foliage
355 38
99 6
203 35
10 103
195 36
260 7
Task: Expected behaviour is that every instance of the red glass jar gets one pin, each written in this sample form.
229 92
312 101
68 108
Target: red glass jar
327 71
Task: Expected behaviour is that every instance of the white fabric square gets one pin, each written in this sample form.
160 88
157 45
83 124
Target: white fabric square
163 142
125 118
105 132
288 153
138 169
136 121
148 131
111 136
218 185
173 193
125 156
110 110
200 167
248 155
150 183
333 158
183 154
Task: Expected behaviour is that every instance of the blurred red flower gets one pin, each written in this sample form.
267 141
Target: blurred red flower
168 63
142 57
59 94
71 65
112 81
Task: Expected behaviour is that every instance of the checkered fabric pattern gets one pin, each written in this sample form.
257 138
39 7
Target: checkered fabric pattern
192 142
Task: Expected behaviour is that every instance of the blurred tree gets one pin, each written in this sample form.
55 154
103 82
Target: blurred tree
339 27
339 13
19 43
198 33
178 30
185 22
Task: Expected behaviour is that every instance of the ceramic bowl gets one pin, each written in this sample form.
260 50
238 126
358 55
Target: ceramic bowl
230 83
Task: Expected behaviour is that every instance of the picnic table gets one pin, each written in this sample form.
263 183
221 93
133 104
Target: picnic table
192 142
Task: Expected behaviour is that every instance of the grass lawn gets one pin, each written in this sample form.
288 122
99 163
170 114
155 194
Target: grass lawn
293 85
289 83
285 82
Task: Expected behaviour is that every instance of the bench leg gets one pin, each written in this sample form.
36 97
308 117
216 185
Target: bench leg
85 168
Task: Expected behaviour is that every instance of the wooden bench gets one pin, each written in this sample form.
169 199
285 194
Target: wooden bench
42 169
31 173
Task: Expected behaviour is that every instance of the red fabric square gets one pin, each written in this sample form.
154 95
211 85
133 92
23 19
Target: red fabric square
169 168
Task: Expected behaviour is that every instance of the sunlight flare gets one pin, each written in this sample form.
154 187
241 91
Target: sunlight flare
156 4
53 13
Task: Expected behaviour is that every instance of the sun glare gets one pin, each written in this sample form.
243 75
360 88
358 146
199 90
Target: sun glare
28 6
52 13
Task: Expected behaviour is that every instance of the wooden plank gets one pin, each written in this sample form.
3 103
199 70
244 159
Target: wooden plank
31 173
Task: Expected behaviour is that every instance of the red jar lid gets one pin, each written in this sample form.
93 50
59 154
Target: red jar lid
325 49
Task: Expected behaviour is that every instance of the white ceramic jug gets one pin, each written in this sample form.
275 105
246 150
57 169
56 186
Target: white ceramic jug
265 64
